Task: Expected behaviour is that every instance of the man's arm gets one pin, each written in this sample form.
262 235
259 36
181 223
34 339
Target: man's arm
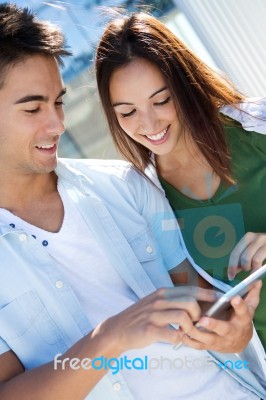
46 382
12 366
140 325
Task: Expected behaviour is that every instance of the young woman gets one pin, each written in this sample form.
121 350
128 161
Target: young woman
163 108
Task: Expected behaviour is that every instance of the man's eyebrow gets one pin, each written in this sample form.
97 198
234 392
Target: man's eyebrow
131 104
37 97
63 91
31 97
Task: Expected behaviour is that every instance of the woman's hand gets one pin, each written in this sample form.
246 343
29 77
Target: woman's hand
230 336
249 253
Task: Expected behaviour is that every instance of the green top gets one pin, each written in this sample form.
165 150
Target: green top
211 228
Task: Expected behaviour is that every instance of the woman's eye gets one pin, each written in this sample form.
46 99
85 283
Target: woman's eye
128 114
163 102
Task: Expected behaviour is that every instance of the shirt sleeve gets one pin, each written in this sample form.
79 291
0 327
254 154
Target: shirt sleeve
3 346
251 114
158 213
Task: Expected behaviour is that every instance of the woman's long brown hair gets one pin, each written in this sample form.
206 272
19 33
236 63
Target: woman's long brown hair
198 91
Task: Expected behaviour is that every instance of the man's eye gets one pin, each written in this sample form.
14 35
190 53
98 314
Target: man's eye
163 102
128 114
33 111
59 103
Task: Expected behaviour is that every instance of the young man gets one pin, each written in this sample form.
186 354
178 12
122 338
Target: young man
85 242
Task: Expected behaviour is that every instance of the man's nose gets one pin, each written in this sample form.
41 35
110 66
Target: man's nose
56 123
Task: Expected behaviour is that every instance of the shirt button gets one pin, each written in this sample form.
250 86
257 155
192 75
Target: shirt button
12 225
44 243
149 249
22 237
117 386
59 284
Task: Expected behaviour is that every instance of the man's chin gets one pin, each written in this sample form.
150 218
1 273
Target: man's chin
45 169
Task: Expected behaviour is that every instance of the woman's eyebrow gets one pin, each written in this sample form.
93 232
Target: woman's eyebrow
158 91
121 103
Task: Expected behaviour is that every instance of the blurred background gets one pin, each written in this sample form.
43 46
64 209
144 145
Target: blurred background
229 35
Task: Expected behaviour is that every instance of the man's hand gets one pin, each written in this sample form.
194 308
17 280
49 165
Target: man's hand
147 321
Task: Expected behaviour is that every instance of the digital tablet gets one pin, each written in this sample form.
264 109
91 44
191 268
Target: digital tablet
241 289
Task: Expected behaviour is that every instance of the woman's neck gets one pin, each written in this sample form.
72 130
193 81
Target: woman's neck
187 170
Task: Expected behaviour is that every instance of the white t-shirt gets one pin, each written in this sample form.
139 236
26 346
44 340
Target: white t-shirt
174 375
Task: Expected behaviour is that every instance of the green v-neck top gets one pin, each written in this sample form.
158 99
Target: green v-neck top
211 228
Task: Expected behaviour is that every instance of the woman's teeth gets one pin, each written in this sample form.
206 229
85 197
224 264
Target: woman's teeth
47 146
158 136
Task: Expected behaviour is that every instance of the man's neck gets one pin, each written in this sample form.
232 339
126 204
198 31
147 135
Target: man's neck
34 199
18 191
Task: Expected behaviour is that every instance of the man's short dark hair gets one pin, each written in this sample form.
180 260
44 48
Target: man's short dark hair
23 35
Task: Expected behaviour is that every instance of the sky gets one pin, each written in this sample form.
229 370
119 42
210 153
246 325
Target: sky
81 23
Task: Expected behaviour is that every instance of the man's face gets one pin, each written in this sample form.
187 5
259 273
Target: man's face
31 116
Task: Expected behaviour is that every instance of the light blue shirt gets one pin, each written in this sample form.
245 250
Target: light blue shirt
39 314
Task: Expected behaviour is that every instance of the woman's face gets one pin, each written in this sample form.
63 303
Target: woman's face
144 106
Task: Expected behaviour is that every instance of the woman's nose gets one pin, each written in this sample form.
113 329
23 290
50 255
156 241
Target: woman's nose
148 123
